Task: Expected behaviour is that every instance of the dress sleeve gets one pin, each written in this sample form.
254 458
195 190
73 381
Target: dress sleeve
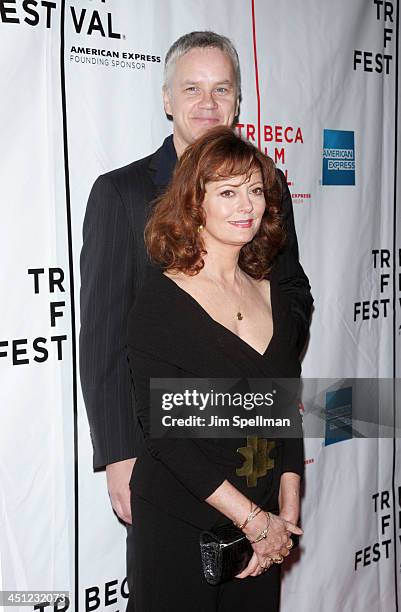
293 456
183 457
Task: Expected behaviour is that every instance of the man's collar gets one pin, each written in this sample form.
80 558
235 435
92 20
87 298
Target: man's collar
163 162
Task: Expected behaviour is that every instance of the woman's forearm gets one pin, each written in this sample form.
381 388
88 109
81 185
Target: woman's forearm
230 502
289 496
236 506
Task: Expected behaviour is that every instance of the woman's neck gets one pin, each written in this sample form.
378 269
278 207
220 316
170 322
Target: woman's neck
222 266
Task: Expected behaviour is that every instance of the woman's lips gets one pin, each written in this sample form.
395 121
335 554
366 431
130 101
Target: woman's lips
243 224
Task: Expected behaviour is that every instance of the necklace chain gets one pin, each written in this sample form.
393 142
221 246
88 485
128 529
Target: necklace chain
239 314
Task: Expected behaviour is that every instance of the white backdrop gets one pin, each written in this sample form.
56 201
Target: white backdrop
69 113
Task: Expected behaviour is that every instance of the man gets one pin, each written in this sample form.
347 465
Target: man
201 90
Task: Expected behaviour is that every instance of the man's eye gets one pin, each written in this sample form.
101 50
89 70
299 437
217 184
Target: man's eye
222 90
191 89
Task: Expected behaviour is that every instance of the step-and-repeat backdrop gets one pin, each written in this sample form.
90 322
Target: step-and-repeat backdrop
80 87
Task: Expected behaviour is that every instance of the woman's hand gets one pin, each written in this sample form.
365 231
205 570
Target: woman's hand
235 506
276 545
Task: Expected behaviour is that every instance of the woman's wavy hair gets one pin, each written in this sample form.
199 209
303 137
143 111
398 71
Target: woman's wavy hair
172 235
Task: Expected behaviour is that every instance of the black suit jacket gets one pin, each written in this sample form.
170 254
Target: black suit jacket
113 262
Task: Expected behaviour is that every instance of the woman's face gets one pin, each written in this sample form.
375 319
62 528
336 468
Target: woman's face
234 208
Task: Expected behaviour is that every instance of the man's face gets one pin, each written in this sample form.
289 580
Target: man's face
201 94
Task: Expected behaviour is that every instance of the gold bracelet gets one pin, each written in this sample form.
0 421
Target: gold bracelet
263 534
250 516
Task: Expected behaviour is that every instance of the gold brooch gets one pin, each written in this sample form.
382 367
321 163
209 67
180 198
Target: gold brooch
257 460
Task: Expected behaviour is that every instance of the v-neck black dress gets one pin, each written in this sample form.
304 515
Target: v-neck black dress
171 336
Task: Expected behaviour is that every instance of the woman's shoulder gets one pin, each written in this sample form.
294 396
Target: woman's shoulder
160 308
153 280
153 298
165 324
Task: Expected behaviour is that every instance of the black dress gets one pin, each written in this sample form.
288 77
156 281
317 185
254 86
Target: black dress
171 336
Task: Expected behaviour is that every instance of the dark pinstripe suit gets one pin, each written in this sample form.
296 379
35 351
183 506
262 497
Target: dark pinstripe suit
113 263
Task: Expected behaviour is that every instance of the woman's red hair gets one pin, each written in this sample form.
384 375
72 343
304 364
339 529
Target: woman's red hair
171 233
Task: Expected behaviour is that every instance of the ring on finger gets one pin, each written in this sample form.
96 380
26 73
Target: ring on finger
290 544
268 563
278 559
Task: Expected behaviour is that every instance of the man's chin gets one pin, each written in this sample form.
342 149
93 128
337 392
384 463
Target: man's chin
204 127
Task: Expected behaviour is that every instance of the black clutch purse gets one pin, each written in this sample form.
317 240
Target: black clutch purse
225 552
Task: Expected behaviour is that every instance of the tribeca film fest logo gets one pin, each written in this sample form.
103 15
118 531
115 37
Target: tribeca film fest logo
379 62
379 306
44 12
94 21
275 140
383 509
338 157
24 351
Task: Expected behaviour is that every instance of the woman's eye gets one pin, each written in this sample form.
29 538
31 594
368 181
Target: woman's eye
227 193
258 191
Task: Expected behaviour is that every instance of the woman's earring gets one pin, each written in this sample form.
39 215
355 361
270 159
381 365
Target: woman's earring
200 228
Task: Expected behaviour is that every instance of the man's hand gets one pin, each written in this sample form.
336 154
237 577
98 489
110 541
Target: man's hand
118 477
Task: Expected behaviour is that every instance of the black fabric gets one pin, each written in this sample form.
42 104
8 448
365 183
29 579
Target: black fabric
167 572
113 263
174 337
225 552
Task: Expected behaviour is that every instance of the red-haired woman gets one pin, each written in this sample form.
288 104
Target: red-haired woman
208 309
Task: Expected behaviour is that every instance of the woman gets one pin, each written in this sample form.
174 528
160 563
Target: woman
210 311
